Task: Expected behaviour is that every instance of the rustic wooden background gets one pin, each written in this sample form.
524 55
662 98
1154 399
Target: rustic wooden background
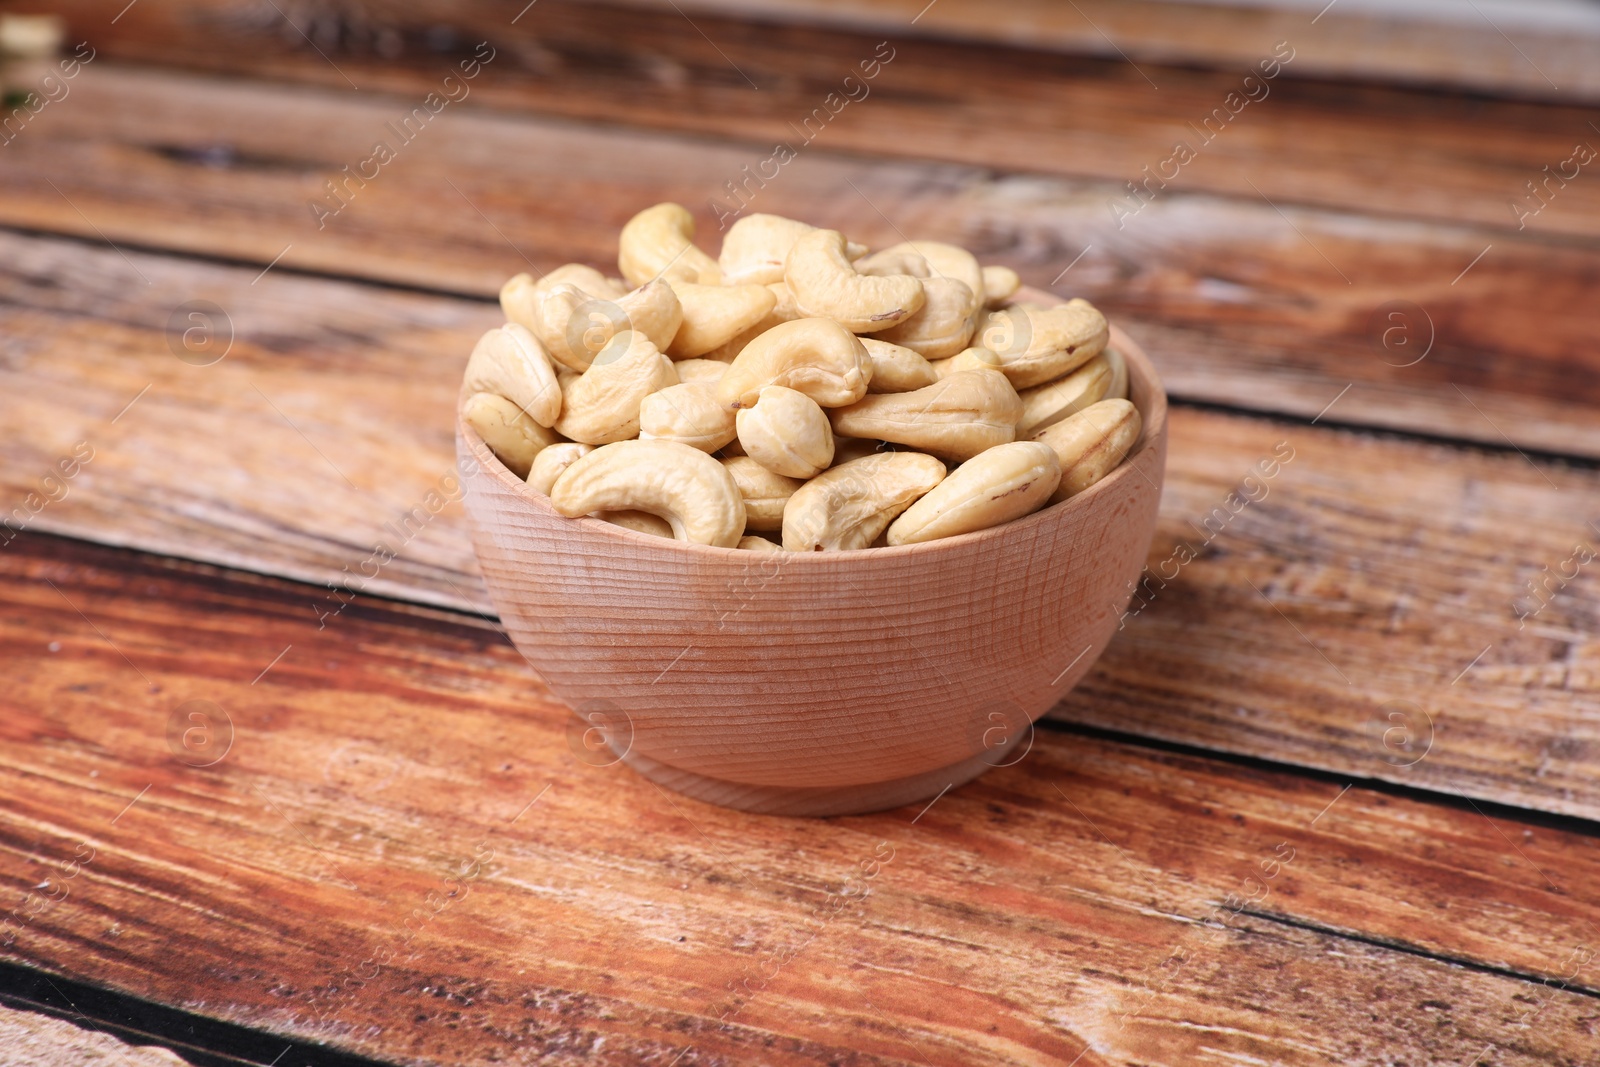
1330 796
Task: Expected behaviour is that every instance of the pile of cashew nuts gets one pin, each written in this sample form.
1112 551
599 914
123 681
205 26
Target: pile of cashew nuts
796 393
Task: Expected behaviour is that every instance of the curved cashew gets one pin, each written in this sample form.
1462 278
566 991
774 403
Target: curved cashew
826 284
686 487
638 521
957 417
1004 483
849 506
975 358
756 247
1036 345
999 285
1118 389
787 433
514 438
896 369
713 315
551 461
759 544
764 492
1046 405
817 357
944 323
946 261
576 327
700 371
688 413
521 296
509 360
1091 443
602 403
660 241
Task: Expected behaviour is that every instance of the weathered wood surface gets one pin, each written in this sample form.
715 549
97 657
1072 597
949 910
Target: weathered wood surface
398 853
1541 50
266 448
1235 302
330 421
1392 152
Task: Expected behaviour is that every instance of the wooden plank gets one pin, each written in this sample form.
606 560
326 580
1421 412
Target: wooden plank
258 449
1400 153
1537 49
398 854
1238 304
1370 612
330 421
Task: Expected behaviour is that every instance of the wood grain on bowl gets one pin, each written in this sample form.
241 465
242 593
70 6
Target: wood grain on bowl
828 682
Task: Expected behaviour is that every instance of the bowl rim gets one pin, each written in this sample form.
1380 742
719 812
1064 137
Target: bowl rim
1153 429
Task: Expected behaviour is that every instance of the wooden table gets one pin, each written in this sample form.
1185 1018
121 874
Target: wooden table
1330 795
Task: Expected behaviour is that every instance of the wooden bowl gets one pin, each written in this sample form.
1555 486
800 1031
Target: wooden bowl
817 683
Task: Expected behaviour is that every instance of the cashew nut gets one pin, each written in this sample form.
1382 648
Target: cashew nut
999 285
787 433
777 416
509 360
576 327
957 417
602 404
825 283
521 296
683 485
1091 443
782 311
764 492
1004 483
848 506
817 357
1037 345
639 521
756 247
944 323
514 438
945 261
551 461
785 310
1118 389
1046 405
659 241
702 371
688 413
896 369
713 315
759 544
974 358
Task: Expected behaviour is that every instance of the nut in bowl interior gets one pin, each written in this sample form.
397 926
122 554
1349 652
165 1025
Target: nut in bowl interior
804 682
